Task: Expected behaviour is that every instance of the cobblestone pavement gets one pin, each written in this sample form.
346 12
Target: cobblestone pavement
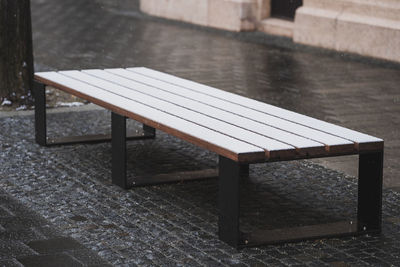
64 193
69 186
28 238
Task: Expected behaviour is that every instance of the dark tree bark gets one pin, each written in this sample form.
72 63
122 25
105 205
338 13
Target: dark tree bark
16 53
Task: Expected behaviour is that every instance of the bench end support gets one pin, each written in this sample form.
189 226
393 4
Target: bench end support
230 173
118 147
39 94
370 179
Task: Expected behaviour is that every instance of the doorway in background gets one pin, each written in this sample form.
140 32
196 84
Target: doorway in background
285 9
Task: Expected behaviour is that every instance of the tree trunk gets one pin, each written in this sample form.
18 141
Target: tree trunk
16 55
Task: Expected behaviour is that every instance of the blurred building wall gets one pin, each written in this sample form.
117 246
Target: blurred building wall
365 27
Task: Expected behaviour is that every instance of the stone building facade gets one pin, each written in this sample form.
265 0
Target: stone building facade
365 27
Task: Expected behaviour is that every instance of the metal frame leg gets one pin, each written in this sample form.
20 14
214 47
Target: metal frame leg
39 93
118 138
229 200
41 128
118 147
119 160
369 213
370 177
244 170
150 131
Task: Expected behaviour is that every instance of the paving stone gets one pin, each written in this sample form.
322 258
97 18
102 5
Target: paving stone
10 263
78 218
60 244
61 260
4 212
13 243
87 258
20 223
24 235
12 249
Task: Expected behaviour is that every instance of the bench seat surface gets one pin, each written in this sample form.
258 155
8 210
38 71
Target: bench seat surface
231 125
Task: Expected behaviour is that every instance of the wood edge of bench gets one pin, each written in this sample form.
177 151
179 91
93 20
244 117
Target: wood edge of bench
288 154
311 152
345 149
254 157
371 146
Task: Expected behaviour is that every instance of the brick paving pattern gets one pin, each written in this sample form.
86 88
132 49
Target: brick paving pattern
63 207
176 224
27 239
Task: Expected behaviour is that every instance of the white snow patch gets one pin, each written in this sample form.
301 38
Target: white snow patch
23 107
69 104
6 102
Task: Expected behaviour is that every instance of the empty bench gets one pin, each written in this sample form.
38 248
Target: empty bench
240 130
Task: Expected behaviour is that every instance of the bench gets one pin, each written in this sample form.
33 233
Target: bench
240 130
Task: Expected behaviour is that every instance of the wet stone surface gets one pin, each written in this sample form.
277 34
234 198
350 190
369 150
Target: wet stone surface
69 188
28 239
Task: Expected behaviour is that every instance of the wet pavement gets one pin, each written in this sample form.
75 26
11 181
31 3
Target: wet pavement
28 238
68 188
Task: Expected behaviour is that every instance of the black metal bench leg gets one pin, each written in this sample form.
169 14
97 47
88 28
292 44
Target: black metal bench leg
39 94
229 200
39 91
369 213
118 146
244 170
370 177
149 131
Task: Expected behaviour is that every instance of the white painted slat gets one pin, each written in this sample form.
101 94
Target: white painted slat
189 115
258 116
262 107
143 84
192 129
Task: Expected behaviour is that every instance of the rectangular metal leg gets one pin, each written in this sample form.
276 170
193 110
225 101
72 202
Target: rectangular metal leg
229 201
174 177
244 170
91 139
39 94
118 146
39 91
369 214
370 178
149 130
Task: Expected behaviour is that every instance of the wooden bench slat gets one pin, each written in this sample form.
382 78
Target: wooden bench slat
360 139
121 77
201 136
333 143
181 112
